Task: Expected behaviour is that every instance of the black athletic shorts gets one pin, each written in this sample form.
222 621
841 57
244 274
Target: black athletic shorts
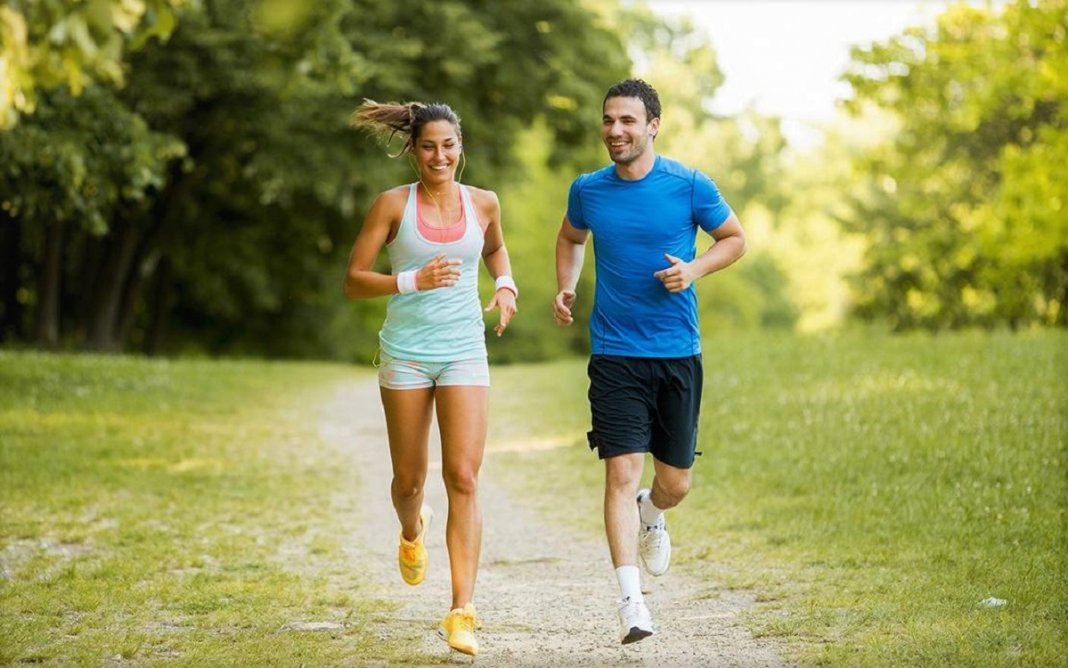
645 405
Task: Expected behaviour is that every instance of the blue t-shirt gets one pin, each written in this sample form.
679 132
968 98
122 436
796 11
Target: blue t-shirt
634 223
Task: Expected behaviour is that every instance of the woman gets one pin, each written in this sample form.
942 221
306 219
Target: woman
432 344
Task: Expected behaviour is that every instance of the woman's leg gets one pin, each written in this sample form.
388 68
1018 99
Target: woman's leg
408 414
462 415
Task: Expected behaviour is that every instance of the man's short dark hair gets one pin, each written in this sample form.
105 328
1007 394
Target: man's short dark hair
639 89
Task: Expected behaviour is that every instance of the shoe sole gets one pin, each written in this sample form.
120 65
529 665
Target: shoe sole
651 571
470 651
635 635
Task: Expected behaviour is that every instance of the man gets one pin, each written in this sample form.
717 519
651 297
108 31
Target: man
645 368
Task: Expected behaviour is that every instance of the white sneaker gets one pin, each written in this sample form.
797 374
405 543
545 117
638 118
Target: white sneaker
654 545
635 622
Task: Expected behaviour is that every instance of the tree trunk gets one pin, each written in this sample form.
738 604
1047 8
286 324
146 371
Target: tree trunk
157 240
46 321
106 295
81 279
10 264
131 295
159 307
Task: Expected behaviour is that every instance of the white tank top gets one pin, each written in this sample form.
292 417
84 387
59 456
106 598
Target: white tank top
444 324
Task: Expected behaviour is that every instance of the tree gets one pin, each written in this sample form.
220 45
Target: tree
238 240
79 169
964 211
47 44
744 154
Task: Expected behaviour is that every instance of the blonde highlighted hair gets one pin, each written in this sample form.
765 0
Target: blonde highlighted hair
407 119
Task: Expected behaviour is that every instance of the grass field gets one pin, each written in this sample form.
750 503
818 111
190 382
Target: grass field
872 491
173 512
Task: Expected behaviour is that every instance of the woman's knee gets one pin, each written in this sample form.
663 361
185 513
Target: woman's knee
408 486
461 480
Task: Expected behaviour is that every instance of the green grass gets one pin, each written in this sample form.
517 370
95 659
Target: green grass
871 490
181 513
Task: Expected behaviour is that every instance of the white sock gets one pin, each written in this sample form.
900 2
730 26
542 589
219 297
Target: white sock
630 584
650 514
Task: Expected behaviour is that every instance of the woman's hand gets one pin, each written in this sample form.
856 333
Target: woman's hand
440 272
505 300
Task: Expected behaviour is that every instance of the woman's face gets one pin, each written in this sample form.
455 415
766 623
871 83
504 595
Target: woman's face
437 152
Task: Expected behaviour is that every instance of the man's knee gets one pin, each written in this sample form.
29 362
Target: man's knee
669 491
623 472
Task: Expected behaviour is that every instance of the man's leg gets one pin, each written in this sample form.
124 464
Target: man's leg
670 485
622 475
674 444
620 406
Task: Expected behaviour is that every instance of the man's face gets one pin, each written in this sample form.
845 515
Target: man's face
625 130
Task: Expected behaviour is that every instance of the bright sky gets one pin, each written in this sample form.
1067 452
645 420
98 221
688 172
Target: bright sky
785 56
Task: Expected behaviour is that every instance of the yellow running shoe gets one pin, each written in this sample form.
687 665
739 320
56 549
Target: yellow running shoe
411 555
458 629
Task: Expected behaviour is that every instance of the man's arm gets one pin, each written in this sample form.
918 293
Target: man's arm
729 246
570 253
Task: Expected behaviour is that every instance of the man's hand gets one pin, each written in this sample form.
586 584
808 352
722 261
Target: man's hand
678 276
562 307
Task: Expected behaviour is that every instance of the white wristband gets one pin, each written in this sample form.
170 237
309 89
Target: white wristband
507 283
406 282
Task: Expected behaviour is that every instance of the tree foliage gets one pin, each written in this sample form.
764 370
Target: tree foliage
200 191
744 154
45 44
80 169
215 194
741 154
965 210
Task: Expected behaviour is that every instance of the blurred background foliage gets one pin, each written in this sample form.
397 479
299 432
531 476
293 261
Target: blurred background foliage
178 176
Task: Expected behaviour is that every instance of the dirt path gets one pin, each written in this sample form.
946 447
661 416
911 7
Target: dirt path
545 594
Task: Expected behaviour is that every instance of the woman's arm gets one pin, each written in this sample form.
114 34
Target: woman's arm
495 255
